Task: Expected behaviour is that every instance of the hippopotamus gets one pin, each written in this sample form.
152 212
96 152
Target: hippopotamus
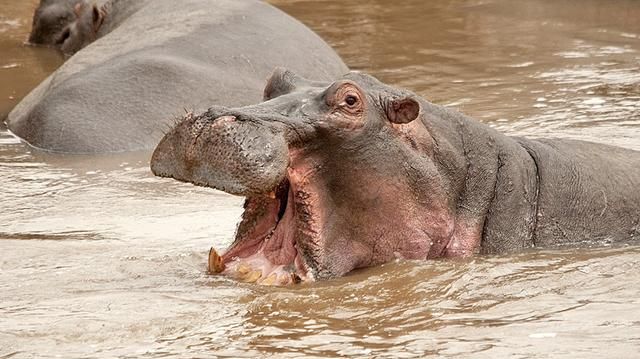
355 173
151 60
70 25
50 20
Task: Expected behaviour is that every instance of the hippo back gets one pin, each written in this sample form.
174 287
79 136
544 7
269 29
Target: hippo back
121 92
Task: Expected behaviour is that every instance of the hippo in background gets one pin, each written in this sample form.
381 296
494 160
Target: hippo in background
70 25
355 173
50 20
93 22
155 58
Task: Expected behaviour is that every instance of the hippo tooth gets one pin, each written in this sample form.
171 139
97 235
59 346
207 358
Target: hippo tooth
242 269
270 280
295 278
288 278
216 264
252 276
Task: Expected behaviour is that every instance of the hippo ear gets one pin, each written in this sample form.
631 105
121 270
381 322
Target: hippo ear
402 110
282 81
97 17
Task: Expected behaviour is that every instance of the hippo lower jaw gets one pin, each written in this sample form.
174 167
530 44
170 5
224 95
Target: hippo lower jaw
266 250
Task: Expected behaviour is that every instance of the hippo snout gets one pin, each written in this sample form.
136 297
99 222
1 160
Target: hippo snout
225 152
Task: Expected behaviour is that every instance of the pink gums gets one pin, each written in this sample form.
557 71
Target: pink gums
270 247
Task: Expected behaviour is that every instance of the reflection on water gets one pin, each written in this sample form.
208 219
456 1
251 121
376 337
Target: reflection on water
100 259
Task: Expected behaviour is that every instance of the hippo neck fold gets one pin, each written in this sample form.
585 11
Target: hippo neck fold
492 180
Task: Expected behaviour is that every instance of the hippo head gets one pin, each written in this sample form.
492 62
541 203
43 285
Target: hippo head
50 20
336 177
83 30
68 25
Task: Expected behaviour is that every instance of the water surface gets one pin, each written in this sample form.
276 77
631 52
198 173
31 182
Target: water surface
100 259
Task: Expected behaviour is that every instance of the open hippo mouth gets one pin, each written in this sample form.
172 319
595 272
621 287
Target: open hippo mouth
265 249
273 237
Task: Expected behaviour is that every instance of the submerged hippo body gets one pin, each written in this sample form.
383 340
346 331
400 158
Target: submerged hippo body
155 58
357 173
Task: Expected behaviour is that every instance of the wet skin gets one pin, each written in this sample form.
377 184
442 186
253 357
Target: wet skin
356 173
150 60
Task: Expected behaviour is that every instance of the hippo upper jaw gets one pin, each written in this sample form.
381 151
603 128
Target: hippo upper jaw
215 150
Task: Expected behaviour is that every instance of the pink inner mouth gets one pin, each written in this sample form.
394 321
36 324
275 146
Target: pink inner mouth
265 250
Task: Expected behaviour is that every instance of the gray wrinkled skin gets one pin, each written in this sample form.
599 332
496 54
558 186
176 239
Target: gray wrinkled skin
505 193
158 58
244 159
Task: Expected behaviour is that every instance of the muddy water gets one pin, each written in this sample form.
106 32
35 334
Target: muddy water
98 259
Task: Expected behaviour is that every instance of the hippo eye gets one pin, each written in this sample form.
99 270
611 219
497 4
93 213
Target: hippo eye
345 98
351 100
65 35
